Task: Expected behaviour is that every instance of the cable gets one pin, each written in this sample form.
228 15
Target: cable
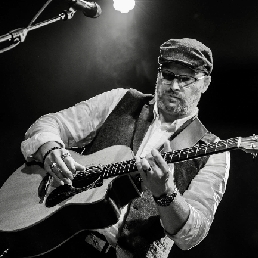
39 12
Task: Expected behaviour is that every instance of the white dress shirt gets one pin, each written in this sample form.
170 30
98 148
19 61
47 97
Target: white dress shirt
77 125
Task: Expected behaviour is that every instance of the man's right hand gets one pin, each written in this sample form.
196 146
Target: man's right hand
58 163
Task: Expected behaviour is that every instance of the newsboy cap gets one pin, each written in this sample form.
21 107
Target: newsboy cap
189 52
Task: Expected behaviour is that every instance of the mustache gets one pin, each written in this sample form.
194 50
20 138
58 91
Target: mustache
169 92
173 94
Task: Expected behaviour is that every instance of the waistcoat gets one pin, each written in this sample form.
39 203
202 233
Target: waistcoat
141 234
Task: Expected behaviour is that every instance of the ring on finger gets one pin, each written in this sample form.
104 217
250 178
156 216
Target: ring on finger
55 169
53 165
63 156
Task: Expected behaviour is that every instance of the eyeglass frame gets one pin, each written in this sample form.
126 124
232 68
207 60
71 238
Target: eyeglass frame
177 76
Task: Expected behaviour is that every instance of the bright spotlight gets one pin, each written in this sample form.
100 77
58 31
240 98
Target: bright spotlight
124 6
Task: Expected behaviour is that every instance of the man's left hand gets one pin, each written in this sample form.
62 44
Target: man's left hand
156 174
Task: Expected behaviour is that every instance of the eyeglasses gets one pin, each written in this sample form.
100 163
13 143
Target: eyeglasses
182 80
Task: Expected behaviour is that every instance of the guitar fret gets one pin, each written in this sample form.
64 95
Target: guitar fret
226 144
205 149
216 145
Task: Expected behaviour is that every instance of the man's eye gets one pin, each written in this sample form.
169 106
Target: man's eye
185 78
168 76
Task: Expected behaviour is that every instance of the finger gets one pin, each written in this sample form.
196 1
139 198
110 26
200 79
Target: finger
79 167
155 169
63 169
56 181
146 167
167 146
161 163
171 168
52 164
58 173
68 161
72 165
138 163
55 177
94 169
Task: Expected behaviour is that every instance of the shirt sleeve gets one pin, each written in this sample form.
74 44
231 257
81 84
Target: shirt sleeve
203 197
74 125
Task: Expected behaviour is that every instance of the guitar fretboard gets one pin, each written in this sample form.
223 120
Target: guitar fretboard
120 168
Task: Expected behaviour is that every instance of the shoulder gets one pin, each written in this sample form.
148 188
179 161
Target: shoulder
210 137
106 96
139 94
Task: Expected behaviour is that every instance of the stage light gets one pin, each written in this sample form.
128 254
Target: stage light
124 6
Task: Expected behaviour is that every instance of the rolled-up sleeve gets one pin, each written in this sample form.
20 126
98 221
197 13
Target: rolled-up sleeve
203 197
71 125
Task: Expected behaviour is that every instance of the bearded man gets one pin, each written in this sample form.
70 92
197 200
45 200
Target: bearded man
178 200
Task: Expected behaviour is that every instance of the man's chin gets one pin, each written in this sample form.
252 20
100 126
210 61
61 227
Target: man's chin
172 108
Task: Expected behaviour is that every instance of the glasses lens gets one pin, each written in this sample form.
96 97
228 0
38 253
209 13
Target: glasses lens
168 76
182 80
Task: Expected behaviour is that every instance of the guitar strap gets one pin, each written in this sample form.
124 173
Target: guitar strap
188 134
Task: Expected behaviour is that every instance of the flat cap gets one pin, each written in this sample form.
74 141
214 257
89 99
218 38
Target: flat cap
189 52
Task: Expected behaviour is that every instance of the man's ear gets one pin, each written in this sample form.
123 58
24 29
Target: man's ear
206 83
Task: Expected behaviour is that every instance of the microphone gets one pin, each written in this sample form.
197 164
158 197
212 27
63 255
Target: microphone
89 9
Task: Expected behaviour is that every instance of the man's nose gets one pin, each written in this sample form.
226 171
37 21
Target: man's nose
173 84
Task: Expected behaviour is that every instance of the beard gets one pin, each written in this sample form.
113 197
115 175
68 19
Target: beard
181 107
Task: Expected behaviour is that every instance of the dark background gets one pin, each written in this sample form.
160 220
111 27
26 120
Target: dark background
69 61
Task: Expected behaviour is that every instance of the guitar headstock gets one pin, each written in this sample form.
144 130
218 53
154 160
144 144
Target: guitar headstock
250 144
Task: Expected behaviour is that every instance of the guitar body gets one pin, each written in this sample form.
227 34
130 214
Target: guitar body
33 229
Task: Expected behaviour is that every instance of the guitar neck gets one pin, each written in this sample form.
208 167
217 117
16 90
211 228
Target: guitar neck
116 169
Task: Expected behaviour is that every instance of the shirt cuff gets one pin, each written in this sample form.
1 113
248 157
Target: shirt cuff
193 232
31 145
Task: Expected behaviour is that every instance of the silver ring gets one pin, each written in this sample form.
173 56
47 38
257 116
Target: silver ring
253 145
53 165
63 156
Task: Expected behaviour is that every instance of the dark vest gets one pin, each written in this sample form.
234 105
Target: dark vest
127 125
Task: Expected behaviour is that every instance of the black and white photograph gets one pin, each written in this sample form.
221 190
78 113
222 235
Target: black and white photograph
129 129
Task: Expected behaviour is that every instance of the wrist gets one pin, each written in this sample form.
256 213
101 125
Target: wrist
167 198
45 148
166 190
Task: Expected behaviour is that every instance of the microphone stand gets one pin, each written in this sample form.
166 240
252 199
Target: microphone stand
19 35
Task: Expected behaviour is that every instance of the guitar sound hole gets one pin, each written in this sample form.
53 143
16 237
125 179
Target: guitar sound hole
81 182
60 194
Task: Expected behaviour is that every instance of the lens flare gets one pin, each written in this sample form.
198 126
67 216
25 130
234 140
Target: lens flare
124 6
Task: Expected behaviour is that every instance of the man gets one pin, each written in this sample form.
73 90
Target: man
179 201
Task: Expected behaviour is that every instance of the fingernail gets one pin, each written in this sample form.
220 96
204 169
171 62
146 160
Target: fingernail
67 181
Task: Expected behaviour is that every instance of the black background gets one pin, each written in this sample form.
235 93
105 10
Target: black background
69 61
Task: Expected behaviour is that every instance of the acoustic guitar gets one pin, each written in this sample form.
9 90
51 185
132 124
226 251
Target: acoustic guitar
37 217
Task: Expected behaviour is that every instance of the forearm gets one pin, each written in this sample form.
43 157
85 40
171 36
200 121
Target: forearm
44 130
174 216
202 198
74 126
43 149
